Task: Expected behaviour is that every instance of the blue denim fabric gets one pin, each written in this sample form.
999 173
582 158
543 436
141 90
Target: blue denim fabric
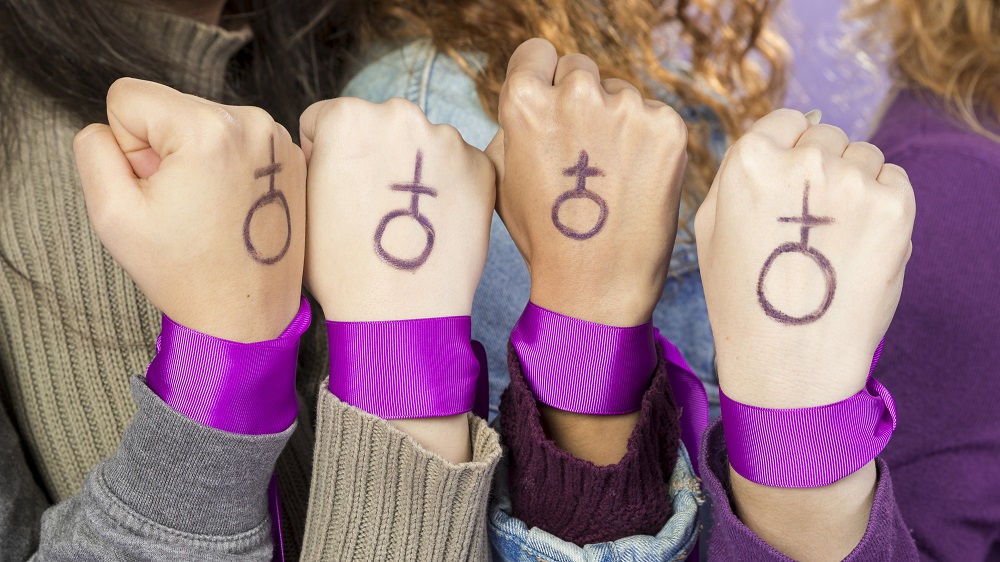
512 541
446 94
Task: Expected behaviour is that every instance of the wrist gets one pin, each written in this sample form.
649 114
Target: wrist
821 523
626 307
246 388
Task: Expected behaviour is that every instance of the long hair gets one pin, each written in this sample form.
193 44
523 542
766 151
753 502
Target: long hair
949 48
737 64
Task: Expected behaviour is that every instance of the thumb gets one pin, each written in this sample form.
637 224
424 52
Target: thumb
110 186
495 152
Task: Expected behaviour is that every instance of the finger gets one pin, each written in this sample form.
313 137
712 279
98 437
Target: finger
616 85
782 126
534 59
893 176
308 123
570 64
105 173
146 115
495 152
865 156
827 138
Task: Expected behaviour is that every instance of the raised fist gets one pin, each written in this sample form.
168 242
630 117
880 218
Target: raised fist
202 204
802 243
589 185
399 212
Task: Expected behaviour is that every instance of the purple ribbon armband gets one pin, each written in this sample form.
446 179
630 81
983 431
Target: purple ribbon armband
397 369
808 447
246 388
581 366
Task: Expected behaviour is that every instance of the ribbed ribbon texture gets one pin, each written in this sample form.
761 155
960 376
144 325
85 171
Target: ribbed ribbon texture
246 388
591 368
397 369
581 366
808 447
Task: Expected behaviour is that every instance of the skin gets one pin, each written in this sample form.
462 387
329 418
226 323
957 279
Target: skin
168 185
768 363
616 276
350 175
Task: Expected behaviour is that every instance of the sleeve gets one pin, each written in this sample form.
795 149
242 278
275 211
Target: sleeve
378 495
576 500
941 355
21 500
174 490
887 537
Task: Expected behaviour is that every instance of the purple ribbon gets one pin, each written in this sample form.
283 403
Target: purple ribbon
584 367
809 447
246 388
397 369
591 368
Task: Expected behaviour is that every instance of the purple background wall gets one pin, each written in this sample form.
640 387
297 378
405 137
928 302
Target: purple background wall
830 73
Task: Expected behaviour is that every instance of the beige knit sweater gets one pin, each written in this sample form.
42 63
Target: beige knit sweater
73 327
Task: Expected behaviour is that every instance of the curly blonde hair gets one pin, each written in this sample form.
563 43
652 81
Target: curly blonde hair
949 48
737 63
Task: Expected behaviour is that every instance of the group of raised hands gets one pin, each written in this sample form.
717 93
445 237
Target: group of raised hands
219 217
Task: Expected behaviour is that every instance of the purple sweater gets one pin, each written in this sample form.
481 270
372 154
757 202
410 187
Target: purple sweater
941 363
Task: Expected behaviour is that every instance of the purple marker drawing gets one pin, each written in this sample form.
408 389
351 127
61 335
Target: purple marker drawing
582 172
272 196
801 247
416 189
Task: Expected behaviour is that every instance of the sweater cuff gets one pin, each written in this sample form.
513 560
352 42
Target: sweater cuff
886 538
378 495
188 477
574 499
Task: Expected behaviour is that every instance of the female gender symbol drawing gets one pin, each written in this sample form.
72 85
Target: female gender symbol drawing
416 189
582 172
272 196
802 247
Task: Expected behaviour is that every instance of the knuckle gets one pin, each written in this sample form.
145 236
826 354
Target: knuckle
580 85
870 148
521 94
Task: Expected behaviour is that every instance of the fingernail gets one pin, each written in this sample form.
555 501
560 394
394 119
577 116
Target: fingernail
814 116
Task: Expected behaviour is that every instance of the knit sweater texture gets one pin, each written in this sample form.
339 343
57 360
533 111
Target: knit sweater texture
557 492
74 327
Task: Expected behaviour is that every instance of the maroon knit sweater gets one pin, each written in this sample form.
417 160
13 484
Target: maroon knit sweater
555 491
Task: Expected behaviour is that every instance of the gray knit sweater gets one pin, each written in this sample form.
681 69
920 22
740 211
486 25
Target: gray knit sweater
73 328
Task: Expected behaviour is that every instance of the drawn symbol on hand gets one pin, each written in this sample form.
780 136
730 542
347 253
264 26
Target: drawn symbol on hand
272 197
416 189
802 247
582 172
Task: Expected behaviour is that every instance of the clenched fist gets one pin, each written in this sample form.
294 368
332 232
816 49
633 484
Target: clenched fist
802 242
399 212
202 204
589 185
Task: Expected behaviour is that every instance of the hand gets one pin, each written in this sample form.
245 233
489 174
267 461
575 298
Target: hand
202 204
589 185
399 212
797 305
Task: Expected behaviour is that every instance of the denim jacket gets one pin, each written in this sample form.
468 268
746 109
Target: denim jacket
446 94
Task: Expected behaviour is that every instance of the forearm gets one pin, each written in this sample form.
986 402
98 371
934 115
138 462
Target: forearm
808 524
447 436
173 490
602 440
377 494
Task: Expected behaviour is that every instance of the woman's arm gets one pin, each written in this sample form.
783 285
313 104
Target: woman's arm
803 241
399 214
